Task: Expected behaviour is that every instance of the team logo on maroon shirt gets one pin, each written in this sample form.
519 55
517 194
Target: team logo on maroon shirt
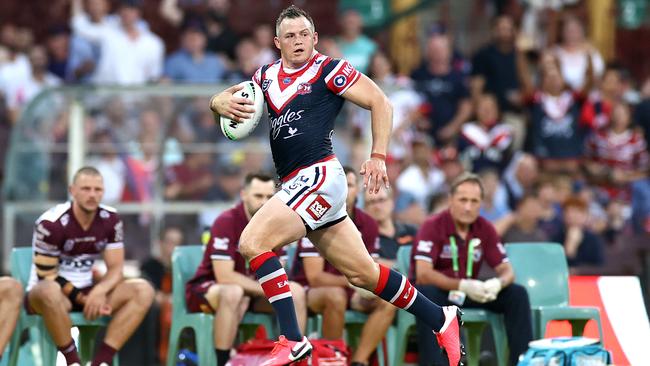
304 88
318 208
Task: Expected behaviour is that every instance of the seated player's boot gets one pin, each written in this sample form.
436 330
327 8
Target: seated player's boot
449 335
286 352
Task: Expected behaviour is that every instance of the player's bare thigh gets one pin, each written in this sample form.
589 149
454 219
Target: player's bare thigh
342 246
273 226
318 298
135 289
47 292
227 293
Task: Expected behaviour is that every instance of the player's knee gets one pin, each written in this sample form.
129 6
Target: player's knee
248 246
11 290
297 291
46 292
361 279
337 299
385 307
230 295
144 293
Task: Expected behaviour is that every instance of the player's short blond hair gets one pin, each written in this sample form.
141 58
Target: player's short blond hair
292 12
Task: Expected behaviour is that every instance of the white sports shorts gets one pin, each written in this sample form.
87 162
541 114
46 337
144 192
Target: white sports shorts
317 193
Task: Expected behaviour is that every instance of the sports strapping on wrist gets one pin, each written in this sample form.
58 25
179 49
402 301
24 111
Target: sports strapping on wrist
378 156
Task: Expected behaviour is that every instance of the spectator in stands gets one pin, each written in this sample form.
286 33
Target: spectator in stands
263 36
486 143
356 47
19 92
11 301
228 183
642 111
129 54
525 223
111 165
223 284
117 117
392 233
15 66
641 188
520 178
617 155
422 178
222 40
443 273
190 180
597 109
443 86
93 24
158 270
550 200
71 58
494 207
405 101
556 134
493 66
192 64
583 248
328 291
246 61
574 53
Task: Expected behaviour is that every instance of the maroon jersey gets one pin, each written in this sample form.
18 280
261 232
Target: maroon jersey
223 245
369 233
432 244
57 233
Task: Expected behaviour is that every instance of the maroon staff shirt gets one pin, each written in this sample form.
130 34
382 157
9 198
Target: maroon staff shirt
432 244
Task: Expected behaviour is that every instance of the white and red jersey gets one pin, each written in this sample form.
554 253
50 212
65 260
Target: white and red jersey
486 148
302 106
57 233
626 151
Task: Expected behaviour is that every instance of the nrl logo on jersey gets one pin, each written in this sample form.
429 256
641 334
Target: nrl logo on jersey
266 83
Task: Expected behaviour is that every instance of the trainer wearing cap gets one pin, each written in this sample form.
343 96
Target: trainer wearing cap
449 250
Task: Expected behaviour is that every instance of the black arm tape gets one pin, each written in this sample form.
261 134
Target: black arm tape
68 289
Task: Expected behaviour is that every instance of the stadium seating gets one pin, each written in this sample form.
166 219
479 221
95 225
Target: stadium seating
185 261
542 268
21 264
474 321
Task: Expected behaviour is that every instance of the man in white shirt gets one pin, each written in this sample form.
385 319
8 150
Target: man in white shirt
129 54
19 90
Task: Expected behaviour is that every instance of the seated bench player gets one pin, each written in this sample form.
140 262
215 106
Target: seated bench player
67 240
223 283
329 292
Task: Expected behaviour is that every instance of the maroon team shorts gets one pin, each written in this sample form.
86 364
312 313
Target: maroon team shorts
75 307
195 297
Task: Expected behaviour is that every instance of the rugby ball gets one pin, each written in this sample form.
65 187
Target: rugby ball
234 130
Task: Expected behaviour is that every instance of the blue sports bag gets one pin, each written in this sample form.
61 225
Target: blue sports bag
566 351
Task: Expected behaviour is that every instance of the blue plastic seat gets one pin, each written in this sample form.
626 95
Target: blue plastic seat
542 268
185 261
21 264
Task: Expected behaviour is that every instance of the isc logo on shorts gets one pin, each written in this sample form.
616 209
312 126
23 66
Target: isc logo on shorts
318 208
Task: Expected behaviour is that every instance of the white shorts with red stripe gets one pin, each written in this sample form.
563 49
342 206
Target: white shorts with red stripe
317 193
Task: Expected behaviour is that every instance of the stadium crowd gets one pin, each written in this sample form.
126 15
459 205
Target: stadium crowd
557 132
